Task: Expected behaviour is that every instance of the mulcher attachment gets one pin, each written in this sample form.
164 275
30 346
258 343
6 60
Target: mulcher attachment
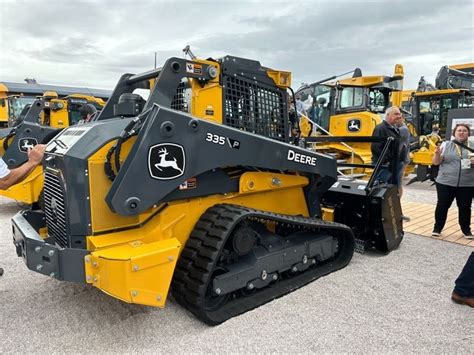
237 259
374 215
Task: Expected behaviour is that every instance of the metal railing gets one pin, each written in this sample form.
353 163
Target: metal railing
389 141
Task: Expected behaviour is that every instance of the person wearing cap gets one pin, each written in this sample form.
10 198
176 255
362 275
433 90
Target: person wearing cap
87 111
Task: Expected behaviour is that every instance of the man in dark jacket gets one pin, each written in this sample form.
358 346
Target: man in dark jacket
397 152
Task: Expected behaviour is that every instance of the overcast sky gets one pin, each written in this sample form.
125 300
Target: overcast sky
92 43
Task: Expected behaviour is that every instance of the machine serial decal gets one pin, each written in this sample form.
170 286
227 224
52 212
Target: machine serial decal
301 158
221 140
25 144
166 161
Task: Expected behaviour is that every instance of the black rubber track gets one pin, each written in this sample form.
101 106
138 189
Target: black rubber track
202 252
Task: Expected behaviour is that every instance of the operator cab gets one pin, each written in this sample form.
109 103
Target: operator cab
432 108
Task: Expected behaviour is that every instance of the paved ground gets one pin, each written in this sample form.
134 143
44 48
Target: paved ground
419 192
394 303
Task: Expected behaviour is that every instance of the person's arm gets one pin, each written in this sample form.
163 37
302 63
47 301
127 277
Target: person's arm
407 145
376 147
438 155
35 156
407 155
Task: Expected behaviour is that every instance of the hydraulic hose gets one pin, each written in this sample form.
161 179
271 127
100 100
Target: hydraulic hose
131 129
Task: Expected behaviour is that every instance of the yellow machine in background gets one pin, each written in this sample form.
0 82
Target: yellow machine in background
350 107
52 114
406 98
15 96
430 106
65 112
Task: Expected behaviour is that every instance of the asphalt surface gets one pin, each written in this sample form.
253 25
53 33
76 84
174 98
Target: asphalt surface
398 303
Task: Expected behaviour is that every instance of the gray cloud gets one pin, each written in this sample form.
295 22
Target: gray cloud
94 42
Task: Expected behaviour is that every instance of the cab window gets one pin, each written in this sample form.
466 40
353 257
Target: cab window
351 97
74 115
16 104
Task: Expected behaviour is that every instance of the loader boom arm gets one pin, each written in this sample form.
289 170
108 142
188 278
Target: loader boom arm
173 147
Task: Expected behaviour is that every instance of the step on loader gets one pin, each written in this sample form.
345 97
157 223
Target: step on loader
197 191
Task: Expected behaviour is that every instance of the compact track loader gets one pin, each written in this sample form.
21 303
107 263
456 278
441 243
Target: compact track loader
38 124
196 190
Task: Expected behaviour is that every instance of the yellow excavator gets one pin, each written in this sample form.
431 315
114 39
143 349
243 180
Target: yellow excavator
38 123
199 191
350 108
433 109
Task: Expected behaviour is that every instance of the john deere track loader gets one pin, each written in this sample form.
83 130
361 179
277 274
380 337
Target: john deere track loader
40 121
198 191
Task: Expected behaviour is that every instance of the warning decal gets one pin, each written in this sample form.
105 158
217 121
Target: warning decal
194 68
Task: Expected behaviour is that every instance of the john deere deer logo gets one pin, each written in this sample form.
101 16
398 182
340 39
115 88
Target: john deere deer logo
25 144
166 161
353 125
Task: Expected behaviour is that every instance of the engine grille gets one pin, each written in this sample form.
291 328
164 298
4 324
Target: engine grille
55 208
254 107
